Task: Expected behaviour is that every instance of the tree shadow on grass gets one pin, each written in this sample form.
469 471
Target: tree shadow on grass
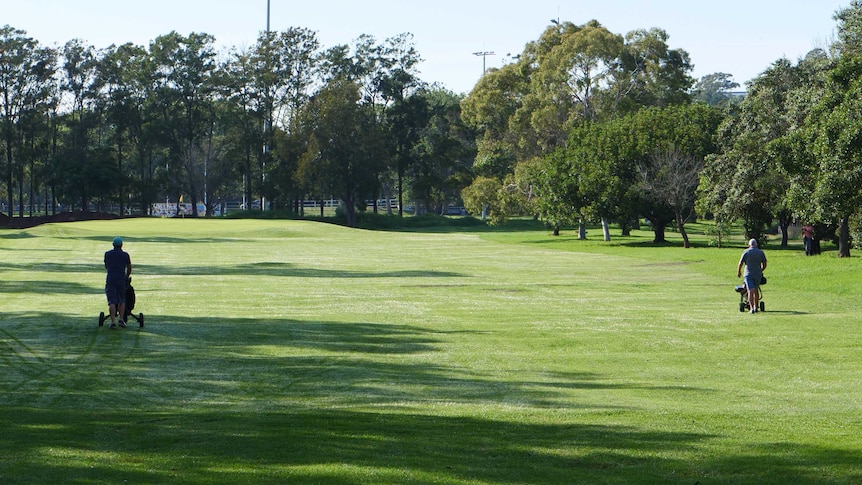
166 240
326 446
245 269
333 446
280 400
46 287
53 267
284 269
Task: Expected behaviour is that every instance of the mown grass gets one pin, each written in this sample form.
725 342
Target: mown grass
299 352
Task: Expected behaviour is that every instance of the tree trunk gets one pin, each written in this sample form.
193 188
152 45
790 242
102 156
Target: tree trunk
680 224
582 229
844 237
658 230
606 232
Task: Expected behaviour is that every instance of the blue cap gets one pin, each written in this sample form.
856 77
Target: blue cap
118 242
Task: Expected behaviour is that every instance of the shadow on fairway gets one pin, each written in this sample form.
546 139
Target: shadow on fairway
280 400
283 269
47 286
168 240
53 267
329 446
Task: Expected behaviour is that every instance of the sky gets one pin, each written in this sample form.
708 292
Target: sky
741 38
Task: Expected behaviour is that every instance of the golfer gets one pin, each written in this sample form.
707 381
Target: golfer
754 261
119 267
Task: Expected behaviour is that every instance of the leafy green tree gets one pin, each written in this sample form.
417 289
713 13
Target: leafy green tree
714 89
348 143
572 77
750 178
186 83
443 151
120 77
85 161
277 76
837 188
26 70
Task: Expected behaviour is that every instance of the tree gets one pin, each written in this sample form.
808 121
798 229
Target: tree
122 82
670 176
571 78
442 152
278 76
837 189
186 88
26 70
348 142
750 178
714 89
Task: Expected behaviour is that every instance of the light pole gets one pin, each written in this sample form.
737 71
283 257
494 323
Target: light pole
267 122
484 54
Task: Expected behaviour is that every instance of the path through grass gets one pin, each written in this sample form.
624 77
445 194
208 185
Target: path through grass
296 352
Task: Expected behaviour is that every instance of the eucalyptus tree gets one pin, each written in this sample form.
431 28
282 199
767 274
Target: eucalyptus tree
490 108
276 79
26 88
84 160
834 179
386 75
347 143
714 89
122 81
403 107
827 156
185 70
573 76
443 152
762 170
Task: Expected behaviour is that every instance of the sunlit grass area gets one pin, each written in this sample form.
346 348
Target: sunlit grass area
300 352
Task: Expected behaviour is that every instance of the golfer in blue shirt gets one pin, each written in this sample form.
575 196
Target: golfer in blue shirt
119 267
754 261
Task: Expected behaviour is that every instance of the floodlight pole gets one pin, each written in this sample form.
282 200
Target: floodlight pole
267 122
484 54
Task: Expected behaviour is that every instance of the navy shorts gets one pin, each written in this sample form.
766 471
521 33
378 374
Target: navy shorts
116 292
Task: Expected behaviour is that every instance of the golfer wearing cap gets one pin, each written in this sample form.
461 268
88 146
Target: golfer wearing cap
119 266
754 261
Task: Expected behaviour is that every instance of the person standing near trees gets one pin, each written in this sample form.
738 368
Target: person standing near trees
119 267
808 238
754 260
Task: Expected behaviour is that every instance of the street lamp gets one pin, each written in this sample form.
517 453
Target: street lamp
484 54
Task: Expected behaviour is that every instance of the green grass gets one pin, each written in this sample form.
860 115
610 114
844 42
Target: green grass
300 352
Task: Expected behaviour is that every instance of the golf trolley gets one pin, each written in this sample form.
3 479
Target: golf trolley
744 305
130 305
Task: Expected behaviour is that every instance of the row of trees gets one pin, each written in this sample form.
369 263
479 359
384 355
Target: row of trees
282 121
588 125
584 125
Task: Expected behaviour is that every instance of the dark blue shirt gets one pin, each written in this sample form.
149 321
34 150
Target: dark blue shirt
116 262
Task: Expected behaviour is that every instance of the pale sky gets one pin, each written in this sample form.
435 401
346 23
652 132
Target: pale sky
741 38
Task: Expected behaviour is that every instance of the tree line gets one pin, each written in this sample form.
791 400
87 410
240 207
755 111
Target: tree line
590 126
282 121
583 126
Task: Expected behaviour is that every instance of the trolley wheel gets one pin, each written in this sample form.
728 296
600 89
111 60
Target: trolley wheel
101 318
762 307
141 319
